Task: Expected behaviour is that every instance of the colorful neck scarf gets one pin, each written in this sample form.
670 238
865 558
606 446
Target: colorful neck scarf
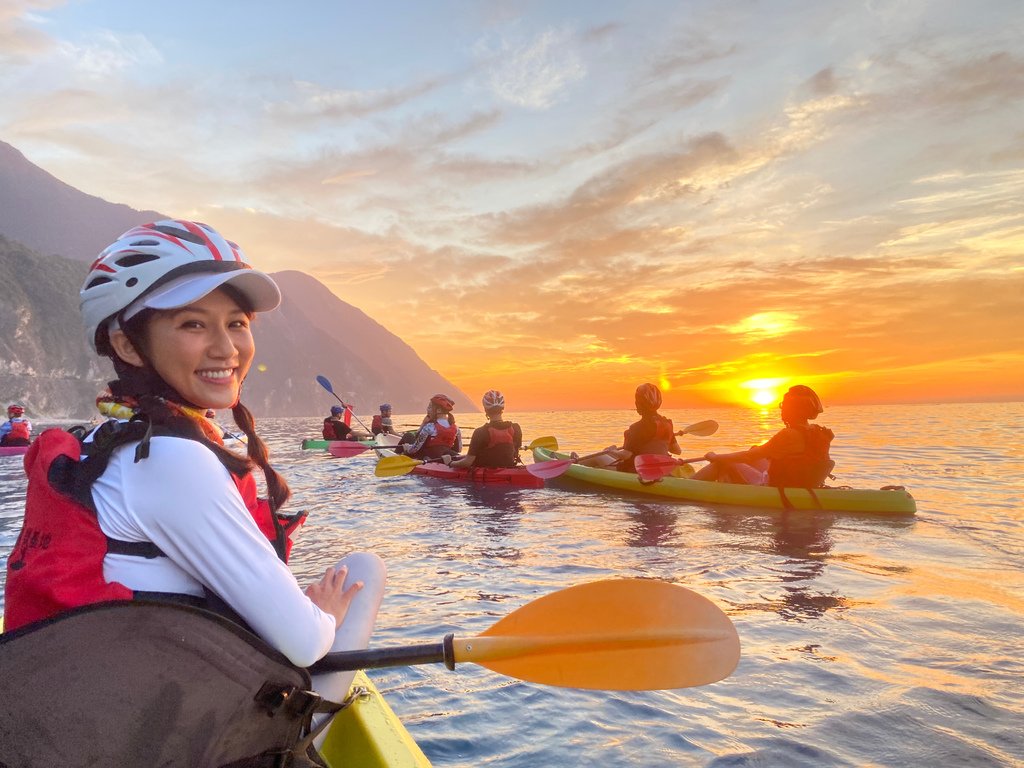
126 407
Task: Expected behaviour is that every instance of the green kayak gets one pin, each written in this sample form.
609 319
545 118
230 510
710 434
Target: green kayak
893 501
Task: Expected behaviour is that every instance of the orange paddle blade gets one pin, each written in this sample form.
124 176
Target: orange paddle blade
619 634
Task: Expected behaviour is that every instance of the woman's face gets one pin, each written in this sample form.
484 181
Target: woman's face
203 350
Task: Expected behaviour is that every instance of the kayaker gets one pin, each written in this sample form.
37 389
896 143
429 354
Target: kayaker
171 303
381 424
438 436
497 443
797 456
337 428
17 430
653 433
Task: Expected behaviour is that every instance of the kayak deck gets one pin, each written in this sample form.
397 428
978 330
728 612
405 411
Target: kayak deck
896 501
369 734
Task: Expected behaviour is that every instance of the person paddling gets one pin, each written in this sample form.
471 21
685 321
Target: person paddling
17 430
381 423
653 433
497 443
797 456
172 515
438 435
337 428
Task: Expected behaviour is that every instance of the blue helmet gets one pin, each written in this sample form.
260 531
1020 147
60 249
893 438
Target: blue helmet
385 407
337 410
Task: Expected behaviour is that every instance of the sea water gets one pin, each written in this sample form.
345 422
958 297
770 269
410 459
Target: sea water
866 640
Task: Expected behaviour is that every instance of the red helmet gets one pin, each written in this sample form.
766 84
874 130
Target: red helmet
443 402
647 398
493 399
15 410
802 402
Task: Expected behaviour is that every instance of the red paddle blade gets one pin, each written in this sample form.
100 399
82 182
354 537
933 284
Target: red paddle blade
549 469
342 449
652 466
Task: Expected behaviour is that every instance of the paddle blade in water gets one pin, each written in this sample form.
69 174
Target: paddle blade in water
548 469
342 449
393 466
620 634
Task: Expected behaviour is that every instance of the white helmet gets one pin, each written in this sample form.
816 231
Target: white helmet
153 255
493 399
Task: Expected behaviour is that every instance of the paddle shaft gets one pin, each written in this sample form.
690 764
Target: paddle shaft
481 649
324 382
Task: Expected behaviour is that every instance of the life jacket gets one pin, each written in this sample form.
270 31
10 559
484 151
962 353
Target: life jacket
639 438
500 450
443 437
809 468
375 425
136 683
19 431
57 560
335 430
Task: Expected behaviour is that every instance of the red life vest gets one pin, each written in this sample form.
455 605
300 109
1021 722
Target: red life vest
375 424
57 561
809 468
500 450
443 436
19 430
335 430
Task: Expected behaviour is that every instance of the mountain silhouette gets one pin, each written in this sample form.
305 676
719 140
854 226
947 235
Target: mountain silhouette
48 228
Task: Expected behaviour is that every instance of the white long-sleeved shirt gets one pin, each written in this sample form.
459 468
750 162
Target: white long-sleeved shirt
183 499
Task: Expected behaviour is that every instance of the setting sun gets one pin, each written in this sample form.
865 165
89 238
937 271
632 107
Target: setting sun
762 392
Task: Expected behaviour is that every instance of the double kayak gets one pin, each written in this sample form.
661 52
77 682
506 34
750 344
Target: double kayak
887 501
519 477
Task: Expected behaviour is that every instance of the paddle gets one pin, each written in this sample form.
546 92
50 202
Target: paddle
343 449
701 429
653 466
324 382
394 466
619 634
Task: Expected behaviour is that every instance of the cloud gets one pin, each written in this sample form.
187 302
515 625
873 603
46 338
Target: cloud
535 73
105 54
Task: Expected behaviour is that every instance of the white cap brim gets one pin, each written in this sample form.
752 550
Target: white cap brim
258 288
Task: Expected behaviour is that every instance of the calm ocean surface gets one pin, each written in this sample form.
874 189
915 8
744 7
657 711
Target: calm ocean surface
866 640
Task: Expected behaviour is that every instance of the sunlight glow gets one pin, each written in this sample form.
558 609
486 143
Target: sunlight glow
763 392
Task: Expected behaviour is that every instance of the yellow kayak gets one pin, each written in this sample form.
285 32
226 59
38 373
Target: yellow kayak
891 501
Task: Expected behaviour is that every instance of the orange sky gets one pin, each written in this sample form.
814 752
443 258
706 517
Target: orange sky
565 201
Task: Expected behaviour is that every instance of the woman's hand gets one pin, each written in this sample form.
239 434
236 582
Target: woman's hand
330 595
711 456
